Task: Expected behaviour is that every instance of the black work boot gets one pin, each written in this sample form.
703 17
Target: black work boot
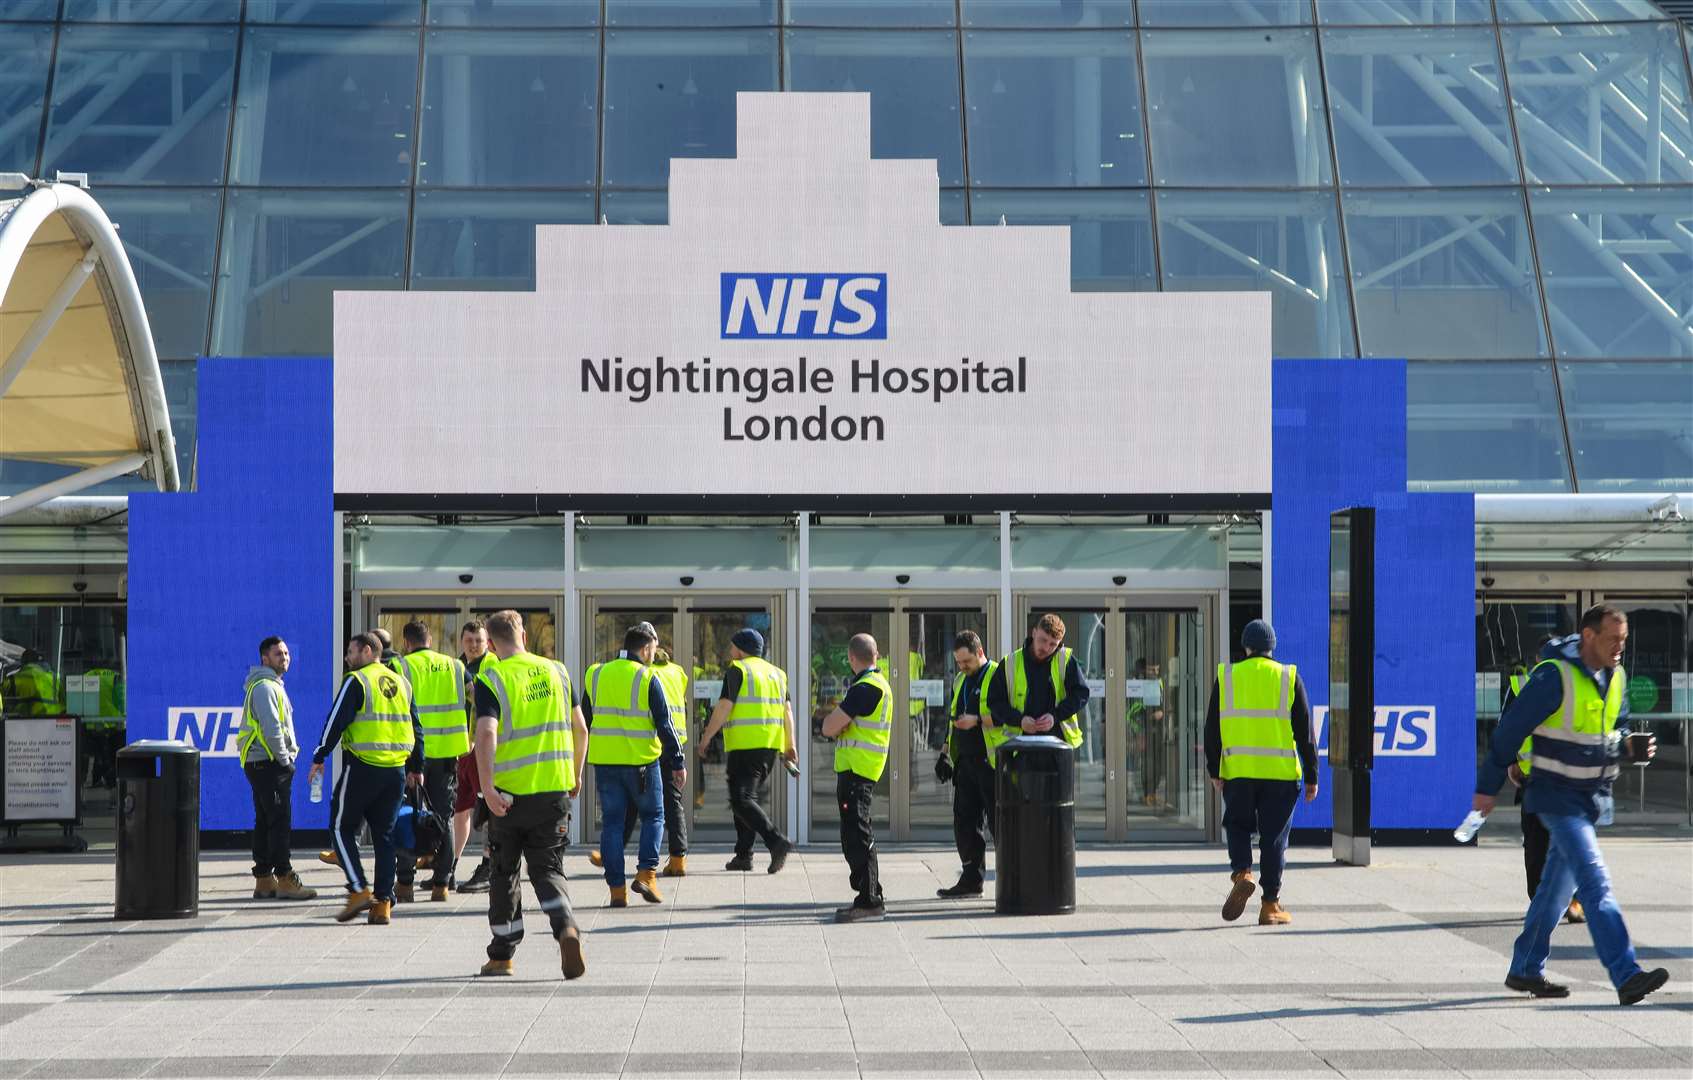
968 885
478 879
739 862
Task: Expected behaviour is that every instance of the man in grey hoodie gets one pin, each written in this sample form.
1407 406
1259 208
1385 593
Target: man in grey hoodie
268 749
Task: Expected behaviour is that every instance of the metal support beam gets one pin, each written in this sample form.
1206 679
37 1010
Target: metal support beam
69 485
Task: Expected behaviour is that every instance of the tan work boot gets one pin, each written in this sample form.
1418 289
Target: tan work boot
1573 913
646 886
381 913
1243 889
426 862
1271 913
676 866
289 887
619 896
437 894
596 858
496 967
329 857
404 894
264 887
570 953
356 902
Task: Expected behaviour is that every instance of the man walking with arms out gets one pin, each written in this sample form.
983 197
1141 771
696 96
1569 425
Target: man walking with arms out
861 726
268 749
757 721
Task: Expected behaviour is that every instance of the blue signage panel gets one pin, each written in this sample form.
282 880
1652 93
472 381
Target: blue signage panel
787 306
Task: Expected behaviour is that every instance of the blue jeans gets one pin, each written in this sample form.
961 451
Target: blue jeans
1574 866
623 790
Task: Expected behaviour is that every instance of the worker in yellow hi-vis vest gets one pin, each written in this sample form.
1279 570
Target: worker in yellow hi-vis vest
862 727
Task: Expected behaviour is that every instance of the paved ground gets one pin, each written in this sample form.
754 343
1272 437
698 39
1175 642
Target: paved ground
1393 970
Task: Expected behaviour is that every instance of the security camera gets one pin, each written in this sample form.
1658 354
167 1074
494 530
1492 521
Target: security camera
80 586
903 579
1119 579
687 579
1487 582
465 579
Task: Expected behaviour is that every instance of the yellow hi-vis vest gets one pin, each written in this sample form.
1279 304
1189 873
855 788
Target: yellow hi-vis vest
1584 722
1017 690
536 750
437 685
381 732
758 719
1255 712
1525 752
622 732
863 747
34 690
675 682
993 736
252 733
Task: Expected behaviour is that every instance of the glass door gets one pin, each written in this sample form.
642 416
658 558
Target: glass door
441 616
710 628
831 674
1658 657
608 622
1509 633
1089 631
1165 693
924 809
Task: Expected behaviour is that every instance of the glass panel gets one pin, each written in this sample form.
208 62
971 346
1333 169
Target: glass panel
1600 104
539 628
1084 631
1044 13
1285 242
1509 634
1443 275
831 676
325 107
1110 232
1418 107
1166 689
891 548
930 669
182 401
1402 12
175 11
708 772
1116 547
672 94
870 13
1232 13
1235 109
606 642
141 105
284 255
482 91
952 206
1050 109
703 548
1631 425
471 548
171 238
25 54
1656 659
1484 427
514 12
443 624
1538 11
1617 268
30 9
341 12
486 239
635 207
912 79
690 12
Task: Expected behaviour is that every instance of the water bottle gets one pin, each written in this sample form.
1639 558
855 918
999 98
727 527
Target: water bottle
792 767
1607 808
1466 832
317 788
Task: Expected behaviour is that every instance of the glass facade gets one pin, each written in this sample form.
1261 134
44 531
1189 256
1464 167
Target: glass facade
1500 191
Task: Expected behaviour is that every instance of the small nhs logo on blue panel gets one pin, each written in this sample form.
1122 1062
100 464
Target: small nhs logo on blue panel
853 306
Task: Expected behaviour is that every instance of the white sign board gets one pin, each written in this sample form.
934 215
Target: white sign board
41 769
929 691
708 689
1147 691
804 323
1096 688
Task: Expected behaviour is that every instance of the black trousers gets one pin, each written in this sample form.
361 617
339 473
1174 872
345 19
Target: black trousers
749 785
273 815
972 813
1536 841
858 839
366 795
1265 807
533 831
675 825
441 784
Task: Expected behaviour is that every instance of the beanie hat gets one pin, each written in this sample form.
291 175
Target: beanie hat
749 641
1259 636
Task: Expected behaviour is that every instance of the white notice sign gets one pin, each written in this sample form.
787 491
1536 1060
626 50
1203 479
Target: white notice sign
708 689
929 691
1147 691
40 772
1096 688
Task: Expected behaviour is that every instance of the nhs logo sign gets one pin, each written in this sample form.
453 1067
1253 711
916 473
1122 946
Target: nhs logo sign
1401 730
213 731
849 306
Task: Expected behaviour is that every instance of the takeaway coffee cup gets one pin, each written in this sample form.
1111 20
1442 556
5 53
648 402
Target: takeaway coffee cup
1638 744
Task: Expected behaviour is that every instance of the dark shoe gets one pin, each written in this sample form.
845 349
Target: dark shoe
742 862
478 879
570 953
1242 891
778 859
1640 984
856 914
965 887
1538 986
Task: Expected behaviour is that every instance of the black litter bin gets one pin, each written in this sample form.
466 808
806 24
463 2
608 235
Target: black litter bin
1035 827
158 830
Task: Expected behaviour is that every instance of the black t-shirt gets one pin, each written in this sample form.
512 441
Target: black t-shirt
863 698
731 685
970 743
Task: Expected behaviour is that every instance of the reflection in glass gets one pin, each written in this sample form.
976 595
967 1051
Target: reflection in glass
1283 242
870 12
1051 109
1044 14
635 207
337 12
134 11
170 238
25 54
1165 765
482 94
1402 12
1110 232
181 378
1483 427
1617 267
672 94
831 677
286 252
930 670
1443 275
912 79
1601 104
1232 13
325 107
539 628
1631 425
141 105
514 12
1540 11
31 9
1657 658
1418 107
486 239
1235 109
690 13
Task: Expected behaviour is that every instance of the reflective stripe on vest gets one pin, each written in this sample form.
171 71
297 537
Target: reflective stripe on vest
863 747
437 684
1255 712
622 732
1525 752
994 736
1585 721
251 732
536 749
1017 690
381 732
757 720
675 683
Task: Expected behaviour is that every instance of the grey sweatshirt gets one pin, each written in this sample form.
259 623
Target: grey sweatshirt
268 699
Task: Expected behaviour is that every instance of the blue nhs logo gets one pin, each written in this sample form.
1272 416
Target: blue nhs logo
1401 730
213 730
850 306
